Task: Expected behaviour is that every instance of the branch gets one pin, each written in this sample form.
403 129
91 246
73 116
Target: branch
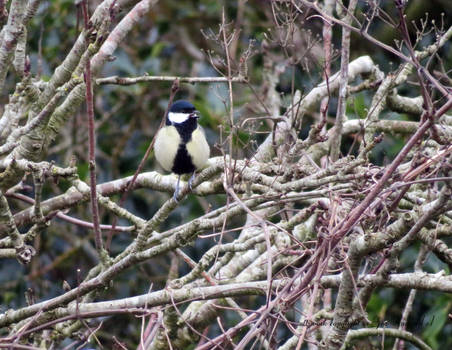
415 280
92 149
381 332
336 135
9 36
147 78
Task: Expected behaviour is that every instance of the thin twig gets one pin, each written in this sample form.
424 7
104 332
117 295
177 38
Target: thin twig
92 146
336 138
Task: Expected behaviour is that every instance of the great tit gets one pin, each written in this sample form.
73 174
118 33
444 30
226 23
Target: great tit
181 145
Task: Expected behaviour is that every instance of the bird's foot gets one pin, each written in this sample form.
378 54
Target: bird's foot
190 181
176 191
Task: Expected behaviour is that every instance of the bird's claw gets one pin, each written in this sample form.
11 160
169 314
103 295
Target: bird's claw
176 191
190 181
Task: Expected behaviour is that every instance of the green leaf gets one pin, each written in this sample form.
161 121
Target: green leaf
82 170
436 319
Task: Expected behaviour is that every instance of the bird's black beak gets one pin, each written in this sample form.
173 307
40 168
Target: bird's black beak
195 115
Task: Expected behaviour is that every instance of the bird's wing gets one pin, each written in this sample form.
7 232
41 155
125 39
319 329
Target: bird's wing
198 148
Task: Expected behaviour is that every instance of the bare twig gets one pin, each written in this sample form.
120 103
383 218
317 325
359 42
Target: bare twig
147 78
92 147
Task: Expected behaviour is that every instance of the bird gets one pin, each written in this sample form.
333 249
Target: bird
180 145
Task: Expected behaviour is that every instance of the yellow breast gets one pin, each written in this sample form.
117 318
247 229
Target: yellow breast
166 146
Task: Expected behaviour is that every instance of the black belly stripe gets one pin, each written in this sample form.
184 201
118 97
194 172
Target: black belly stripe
182 162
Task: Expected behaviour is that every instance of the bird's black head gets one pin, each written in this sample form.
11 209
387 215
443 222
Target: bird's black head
182 106
184 116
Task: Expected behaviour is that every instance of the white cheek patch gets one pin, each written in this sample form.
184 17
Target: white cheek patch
178 118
